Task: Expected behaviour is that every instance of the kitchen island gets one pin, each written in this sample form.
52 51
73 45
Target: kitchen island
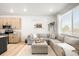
3 43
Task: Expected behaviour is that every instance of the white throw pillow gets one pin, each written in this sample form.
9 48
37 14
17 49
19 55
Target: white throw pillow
34 36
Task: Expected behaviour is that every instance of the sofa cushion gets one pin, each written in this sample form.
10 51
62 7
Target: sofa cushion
60 38
42 35
71 40
52 42
52 36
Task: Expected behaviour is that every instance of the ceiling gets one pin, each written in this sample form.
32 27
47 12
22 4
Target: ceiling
33 8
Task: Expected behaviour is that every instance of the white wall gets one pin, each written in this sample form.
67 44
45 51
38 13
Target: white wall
28 23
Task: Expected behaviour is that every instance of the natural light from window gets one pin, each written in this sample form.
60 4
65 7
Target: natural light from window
70 22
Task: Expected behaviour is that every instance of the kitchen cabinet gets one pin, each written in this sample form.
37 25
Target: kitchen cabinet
15 22
14 38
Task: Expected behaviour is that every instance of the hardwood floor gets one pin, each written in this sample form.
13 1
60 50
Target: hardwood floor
22 49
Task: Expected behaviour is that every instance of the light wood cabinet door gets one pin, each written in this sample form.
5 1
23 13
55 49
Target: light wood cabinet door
11 38
17 23
14 38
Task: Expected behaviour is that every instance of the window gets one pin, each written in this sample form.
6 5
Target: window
76 20
66 23
70 22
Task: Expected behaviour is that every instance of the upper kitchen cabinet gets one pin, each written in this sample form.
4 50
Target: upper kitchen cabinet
14 22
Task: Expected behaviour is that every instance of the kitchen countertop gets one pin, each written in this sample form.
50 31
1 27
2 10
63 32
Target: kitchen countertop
1 36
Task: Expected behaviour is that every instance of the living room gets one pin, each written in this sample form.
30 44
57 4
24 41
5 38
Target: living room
33 29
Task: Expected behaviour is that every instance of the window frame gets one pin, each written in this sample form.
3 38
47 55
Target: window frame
72 24
61 22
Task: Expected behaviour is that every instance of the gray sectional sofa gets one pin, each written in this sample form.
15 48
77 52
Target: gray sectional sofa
68 41
55 41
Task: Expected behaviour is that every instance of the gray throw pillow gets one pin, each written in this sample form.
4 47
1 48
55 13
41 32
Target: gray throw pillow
60 38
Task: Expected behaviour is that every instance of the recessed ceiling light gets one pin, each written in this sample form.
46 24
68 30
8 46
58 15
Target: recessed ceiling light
50 10
25 9
11 10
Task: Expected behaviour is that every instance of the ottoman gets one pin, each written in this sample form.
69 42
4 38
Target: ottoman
39 48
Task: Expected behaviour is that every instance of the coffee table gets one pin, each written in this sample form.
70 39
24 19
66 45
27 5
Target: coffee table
41 47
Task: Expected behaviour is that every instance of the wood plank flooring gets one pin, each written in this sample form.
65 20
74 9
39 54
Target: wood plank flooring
22 49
